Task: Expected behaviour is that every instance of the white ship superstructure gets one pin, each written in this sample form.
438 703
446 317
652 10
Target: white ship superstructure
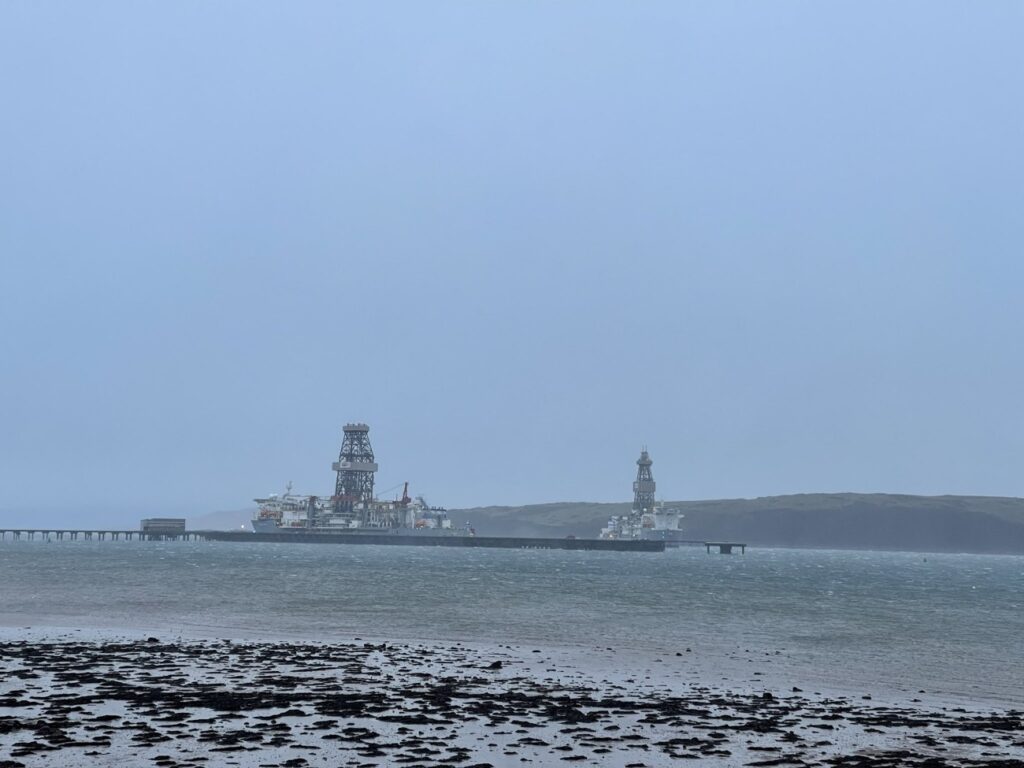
287 510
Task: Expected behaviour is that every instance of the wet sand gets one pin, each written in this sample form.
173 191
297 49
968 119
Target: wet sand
171 702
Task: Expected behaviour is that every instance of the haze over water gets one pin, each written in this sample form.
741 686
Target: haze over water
850 621
779 243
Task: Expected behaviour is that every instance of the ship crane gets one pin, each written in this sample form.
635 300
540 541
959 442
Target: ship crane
311 508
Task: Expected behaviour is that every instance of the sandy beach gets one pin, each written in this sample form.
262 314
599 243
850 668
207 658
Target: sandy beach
101 698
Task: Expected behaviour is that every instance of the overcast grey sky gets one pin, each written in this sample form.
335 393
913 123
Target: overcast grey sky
777 242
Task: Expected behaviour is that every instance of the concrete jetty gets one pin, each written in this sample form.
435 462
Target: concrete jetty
391 539
384 538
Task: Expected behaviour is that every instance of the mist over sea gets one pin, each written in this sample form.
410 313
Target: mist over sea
950 625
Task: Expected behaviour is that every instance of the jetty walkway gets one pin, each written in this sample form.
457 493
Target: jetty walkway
387 539
60 534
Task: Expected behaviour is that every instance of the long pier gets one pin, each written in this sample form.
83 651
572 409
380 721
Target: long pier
388 539
71 534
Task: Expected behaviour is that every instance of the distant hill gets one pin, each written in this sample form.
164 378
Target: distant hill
982 524
231 520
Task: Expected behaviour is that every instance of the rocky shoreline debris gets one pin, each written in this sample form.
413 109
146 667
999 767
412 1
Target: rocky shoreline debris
289 705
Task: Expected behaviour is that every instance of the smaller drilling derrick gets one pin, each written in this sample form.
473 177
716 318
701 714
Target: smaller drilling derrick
355 467
643 489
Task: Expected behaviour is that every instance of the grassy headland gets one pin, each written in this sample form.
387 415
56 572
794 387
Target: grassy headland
983 524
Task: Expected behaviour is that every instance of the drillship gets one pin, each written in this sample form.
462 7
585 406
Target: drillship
353 509
647 519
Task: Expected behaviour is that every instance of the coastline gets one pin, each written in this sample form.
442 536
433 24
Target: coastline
746 667
99 697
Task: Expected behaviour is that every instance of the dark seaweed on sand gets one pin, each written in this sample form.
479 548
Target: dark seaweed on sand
198 703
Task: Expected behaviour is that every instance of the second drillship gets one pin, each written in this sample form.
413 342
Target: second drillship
353 509
647 520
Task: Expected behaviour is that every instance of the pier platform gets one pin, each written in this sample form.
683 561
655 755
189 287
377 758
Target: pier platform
725 547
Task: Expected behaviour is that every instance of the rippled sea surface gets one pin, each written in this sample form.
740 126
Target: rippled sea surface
950 623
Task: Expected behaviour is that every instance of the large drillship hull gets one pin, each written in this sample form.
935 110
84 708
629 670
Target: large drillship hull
271 528
405 538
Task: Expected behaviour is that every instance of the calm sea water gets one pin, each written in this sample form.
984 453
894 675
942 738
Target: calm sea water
951 624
